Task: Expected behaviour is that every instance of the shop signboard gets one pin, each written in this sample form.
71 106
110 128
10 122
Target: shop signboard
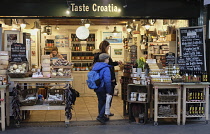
18 52
192 46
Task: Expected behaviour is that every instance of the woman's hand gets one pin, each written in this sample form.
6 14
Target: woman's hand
120 62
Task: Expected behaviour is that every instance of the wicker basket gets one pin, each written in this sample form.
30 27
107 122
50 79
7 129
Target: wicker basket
167 98
19 75
28 93
165 111
54 92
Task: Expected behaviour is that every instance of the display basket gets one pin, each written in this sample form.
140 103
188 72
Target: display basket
18 75
165 111
54 92
177 80
24 94
167 98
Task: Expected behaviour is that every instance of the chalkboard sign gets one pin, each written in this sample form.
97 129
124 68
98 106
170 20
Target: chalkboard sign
192 48
18 52
181 62
170 58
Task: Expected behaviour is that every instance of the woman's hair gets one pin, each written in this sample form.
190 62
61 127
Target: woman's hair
103 45
55 49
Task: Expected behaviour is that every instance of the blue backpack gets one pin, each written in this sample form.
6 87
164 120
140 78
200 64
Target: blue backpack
93 80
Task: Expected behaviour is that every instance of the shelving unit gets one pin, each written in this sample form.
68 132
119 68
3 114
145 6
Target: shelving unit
2 106
167 101
42 80
195 101
157 50
81 50
139 89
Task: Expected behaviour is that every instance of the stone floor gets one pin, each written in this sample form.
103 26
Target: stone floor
85 109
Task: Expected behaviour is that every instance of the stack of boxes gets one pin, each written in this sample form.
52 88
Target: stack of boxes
45 61
4 61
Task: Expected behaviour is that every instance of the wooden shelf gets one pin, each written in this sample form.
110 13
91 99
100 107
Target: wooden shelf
81 51
167 102
137 101
171 116
82 60
42 107
62 67
190 102
190 116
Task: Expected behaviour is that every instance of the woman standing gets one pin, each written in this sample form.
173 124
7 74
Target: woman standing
104 48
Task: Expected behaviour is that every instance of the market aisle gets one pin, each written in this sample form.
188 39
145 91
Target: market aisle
84 110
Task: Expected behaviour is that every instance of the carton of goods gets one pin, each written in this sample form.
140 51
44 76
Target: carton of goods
4 57
46 69
3 67
5 53
46 74
4 62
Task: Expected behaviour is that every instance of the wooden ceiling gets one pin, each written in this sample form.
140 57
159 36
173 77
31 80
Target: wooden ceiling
79 21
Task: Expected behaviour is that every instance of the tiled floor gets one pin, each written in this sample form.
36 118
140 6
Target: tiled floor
84 109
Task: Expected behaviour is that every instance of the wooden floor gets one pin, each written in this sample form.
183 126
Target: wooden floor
86 108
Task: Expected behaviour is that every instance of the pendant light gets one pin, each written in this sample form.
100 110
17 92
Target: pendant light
129 28
47 30
36 26
87 23
115 31
147 25
22 23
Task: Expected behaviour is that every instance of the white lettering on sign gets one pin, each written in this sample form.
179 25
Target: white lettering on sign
95 8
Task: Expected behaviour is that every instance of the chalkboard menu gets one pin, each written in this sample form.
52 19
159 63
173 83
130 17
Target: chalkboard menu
170 58
18 52
192 48
181 62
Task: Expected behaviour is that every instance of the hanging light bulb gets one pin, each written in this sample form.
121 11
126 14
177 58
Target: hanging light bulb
87 23
47 30
36 26
147 25
57 27
115 31
129 28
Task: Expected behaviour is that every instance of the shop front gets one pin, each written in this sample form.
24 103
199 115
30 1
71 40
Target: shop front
147 30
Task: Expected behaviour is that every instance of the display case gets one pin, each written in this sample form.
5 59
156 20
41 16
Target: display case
195 101
167 101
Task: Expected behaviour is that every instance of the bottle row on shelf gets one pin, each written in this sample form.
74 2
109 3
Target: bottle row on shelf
81 47
195 95
82 56
195 110
194 76
91 37
82 66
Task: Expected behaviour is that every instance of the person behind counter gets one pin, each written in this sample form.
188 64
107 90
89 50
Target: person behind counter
54 54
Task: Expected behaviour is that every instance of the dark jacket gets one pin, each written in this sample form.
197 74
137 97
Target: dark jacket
96 53
105 76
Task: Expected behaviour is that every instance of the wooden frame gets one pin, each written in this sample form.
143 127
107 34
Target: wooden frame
112 38
9 38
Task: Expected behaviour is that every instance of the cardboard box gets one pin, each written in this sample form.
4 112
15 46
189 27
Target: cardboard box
4 62
46 69
3 67
171 37
46 74
5 53
4 57
3 72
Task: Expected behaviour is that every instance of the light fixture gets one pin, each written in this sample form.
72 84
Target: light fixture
47 30
57 27
147 25
129 28
36 26
22 23
87 23
115 30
